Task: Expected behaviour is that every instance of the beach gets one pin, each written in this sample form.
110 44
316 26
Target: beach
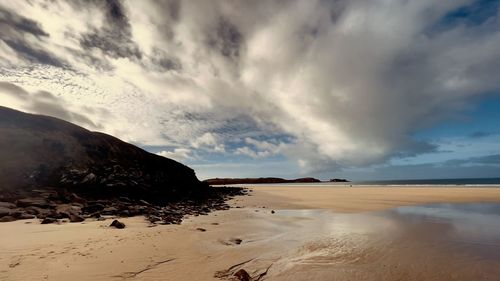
276 233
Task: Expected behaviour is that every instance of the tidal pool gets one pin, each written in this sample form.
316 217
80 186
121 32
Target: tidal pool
427 242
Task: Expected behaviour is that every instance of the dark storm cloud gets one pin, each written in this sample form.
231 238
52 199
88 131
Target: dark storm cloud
44 102
348 82
482 160
12 22
227 39
161 61
173 8
114 38
34 55
14 29
481 134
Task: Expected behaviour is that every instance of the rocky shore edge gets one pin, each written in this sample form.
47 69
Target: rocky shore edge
60 206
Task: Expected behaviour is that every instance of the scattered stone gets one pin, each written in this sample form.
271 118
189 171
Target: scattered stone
117 224
35 202
48 220
7 205
24 216
144 202
272 212
153 219
4 211
63 204
201 229
7 219
242 275
235 241
75 218
215 223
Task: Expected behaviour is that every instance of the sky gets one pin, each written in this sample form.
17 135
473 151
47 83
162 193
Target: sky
365 90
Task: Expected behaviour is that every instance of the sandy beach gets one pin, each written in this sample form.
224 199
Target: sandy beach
314 233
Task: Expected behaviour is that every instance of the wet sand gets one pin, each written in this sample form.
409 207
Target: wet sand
316 233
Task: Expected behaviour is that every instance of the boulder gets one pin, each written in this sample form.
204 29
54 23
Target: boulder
242 275
117 224
33 202
75 218
24 216
4 211
235 241
154 219
48 220
7 219
7 205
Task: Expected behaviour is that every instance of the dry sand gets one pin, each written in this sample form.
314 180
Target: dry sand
290 245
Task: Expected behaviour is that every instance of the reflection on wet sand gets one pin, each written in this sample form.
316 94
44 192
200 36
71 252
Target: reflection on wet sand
430 242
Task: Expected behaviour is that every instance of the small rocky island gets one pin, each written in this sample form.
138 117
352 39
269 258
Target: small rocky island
338 180
55 171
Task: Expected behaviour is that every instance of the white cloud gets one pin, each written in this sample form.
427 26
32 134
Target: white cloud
178 154
348 81
208 141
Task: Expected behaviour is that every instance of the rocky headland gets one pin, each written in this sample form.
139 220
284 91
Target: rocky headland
56 171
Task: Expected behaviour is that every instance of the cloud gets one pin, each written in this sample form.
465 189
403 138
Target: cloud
482 160
42 102
208 141
262 149
348 83
178 154
480 134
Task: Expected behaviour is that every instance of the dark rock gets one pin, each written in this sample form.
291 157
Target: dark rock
144 202
25 216
72 172
154 219
33 210
33 202
48 220
76 199
338 180
272 212
109 211
242 275
7 219
75 218
235 241
117 224
7 205
57 155
201 229
4 211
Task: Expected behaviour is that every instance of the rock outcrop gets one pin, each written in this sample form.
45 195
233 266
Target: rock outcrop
40 151
54 170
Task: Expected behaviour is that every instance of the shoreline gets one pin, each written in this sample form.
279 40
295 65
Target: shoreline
364 199
210 247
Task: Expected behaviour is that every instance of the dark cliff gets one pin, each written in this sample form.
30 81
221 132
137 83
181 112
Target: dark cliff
40 151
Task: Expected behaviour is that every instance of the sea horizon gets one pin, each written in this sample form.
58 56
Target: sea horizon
493 182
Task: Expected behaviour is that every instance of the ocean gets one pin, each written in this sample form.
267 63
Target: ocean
493 182
467 181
